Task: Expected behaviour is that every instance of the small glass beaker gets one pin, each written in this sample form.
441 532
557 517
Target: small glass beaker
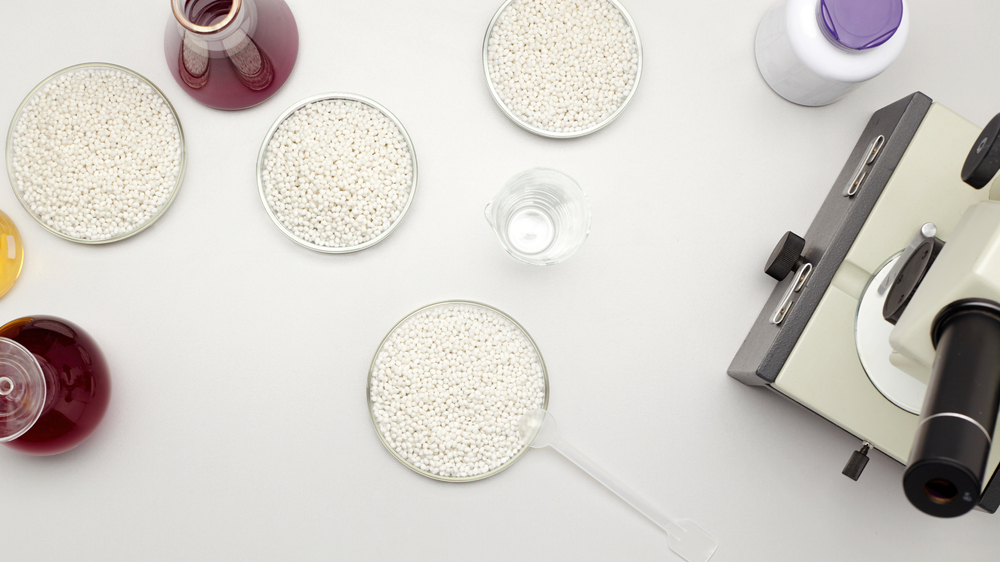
541 216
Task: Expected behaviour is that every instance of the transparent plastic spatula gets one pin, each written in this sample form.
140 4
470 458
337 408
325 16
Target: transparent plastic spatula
538 429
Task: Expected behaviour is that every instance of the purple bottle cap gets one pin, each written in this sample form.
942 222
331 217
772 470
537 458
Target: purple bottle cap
860 24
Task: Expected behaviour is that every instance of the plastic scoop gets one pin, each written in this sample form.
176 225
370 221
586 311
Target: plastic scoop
538 429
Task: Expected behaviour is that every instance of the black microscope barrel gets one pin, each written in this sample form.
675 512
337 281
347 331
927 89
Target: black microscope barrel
948 460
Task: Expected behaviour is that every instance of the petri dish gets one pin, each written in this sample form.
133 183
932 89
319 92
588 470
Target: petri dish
513 116
262 188
40 90
475 306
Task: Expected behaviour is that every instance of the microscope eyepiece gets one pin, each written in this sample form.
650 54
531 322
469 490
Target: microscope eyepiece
945 474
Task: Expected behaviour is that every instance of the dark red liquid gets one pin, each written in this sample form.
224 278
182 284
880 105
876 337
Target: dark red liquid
77 383
248 74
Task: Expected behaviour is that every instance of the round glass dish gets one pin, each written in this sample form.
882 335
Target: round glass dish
371 370
24 104
263 153
553 134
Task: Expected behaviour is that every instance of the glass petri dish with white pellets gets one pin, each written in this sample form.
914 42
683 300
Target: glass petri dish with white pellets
544 80
95 153
448 386
337 173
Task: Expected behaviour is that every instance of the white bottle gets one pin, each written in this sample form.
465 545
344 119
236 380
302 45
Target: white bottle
813 52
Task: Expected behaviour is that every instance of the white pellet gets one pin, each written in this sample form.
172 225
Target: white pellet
96 153
562 65
337 173
449 387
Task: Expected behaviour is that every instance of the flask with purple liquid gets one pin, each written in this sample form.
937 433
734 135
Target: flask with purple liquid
231 54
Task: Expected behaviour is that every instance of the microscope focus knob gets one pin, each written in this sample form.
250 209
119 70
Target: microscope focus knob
786 257
857 463
983 160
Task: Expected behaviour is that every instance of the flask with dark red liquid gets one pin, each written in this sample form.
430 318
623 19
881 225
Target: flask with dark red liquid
54 385
231 54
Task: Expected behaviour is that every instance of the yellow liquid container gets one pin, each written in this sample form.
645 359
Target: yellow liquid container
11 254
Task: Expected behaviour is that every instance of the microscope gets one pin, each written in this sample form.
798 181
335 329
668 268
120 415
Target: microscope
886 316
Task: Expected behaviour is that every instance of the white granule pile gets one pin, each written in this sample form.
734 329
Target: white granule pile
96 153
449 387
562 65
337 173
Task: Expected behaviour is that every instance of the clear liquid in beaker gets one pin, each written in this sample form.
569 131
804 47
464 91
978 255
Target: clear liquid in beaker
530 230
541 216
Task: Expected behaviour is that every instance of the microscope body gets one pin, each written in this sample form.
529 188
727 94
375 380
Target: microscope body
949 333
968 267
814 342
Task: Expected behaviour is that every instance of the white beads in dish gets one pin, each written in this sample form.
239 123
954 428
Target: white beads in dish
562 66
449 386
337 173
96 153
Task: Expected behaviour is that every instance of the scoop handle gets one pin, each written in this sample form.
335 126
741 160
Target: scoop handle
617 486
686 539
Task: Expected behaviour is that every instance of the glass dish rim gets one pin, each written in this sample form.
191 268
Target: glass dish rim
371 369
263 152
552 134
31 95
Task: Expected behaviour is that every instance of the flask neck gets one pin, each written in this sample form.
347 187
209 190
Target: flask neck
210 18
23 390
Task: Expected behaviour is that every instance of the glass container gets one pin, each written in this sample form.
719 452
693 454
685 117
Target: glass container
371 372
261 156
54 385
231 54
10 152
541 216
11 253
555 134
815 52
